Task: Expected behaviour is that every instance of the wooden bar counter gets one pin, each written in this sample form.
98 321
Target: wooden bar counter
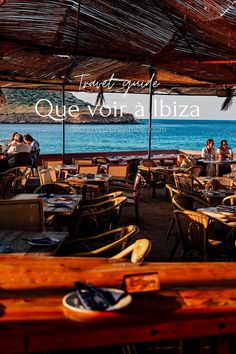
195 299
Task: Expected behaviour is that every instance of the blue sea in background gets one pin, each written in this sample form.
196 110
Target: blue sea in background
166 134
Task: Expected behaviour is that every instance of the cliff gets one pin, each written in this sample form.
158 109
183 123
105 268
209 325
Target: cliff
41 106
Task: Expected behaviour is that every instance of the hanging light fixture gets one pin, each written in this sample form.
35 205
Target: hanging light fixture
2 99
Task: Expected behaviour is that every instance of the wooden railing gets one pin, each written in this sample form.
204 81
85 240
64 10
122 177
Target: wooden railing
195 299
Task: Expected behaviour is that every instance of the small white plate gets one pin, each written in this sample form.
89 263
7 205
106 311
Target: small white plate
72 302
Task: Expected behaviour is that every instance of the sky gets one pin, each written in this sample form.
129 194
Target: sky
167 106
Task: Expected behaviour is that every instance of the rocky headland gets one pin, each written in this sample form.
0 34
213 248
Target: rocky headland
21 107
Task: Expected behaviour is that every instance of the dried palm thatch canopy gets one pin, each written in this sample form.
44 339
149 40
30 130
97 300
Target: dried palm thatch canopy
191 45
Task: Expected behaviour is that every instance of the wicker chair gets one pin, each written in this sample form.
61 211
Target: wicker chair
101 199
51 163
100 160
132 191
187 182
97 218
105 244
188 202
195 170
173 190
229 200
94 169
47 176
138 250
14 181
82 162
148 163
26 215
19 159
118 171
196 233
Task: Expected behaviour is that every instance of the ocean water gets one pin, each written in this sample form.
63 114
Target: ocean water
166 134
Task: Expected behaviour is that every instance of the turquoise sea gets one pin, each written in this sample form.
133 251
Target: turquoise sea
166 134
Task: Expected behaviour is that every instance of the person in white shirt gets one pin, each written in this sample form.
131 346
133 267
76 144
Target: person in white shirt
209 154
19 147
34 148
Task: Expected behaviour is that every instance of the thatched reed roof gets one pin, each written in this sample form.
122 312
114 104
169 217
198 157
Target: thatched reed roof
191 45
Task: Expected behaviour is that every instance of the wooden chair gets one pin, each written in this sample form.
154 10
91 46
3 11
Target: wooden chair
148 163
132 191
94 169
196 233
101 199
172 190
105 244
118 171
26 215
82 162
47 176
51 163
153 177
101 160
93 219
139 250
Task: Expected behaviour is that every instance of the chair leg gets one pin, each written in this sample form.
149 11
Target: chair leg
174 249
136 213
170 228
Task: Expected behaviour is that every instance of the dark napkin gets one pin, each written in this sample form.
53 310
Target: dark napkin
97 299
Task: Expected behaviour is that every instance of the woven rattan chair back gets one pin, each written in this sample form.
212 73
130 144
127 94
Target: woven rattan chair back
194 230
22 215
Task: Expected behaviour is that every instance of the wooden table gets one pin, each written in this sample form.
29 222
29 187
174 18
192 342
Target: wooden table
218 215
217 163
84 180
230 221
18 245
67 168
72 200
196 299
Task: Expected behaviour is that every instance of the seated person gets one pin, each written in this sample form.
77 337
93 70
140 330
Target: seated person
12 141
19 145
223 153
209 153
34 148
